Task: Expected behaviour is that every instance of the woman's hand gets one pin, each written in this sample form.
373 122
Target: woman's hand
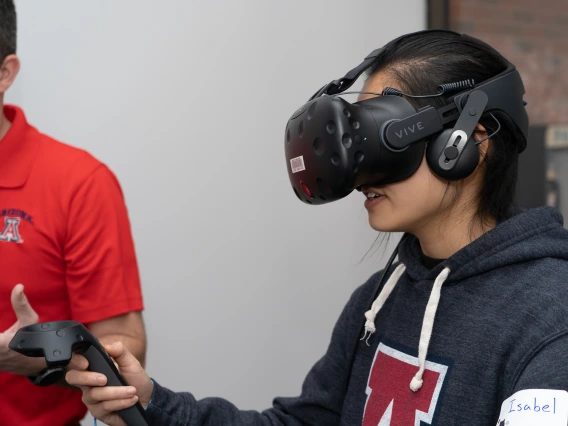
103 402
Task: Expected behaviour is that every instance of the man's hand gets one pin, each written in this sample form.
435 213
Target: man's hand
104 401
11 361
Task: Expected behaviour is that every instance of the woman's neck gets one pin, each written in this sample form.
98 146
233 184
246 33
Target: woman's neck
443 237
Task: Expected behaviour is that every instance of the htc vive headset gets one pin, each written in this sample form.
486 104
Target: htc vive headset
333 146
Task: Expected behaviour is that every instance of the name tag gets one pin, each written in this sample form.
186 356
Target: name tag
535 407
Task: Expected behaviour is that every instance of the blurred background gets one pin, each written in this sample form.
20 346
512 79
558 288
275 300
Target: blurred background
533 35
187 102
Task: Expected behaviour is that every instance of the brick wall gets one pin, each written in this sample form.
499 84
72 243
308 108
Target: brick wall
533 35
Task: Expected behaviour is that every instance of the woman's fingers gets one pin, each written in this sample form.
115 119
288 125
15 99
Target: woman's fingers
78 362
104 401
85 378
116 349
106 416
122 357
108 393
119 404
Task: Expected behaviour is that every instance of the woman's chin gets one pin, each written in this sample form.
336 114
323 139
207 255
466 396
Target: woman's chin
383 224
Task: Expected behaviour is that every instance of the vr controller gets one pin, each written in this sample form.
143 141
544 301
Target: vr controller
56 341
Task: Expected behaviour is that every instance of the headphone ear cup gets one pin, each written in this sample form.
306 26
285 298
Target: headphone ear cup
465 165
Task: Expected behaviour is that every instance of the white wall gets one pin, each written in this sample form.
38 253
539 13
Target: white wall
187 102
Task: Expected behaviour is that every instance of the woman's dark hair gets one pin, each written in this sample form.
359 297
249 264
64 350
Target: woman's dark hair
421 62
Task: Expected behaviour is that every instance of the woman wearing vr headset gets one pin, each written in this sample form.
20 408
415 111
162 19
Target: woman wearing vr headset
470 326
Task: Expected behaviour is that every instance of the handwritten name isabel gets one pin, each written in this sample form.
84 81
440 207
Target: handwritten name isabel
535 406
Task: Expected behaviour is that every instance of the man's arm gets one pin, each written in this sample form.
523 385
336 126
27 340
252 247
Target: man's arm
127 328
102 276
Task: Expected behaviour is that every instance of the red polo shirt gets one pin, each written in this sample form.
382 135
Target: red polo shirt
65 235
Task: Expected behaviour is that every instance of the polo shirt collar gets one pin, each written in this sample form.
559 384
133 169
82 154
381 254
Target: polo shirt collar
17 150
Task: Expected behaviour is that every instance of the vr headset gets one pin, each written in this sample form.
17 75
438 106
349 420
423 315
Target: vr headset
333 146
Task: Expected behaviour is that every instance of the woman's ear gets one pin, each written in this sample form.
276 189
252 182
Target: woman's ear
479 134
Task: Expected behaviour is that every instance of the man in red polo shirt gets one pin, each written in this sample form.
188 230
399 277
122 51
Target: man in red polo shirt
64 235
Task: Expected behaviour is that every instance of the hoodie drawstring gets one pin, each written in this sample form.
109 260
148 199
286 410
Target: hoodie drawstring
427 326
380 301
427 323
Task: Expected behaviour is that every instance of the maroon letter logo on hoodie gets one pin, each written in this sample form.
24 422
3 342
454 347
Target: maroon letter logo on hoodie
390 402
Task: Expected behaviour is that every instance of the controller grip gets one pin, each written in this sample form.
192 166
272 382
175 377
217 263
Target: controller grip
102 363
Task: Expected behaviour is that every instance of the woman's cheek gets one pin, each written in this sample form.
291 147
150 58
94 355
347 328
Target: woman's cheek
412 206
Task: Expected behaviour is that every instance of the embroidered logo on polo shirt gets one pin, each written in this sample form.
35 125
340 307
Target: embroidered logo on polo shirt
11 233
12 221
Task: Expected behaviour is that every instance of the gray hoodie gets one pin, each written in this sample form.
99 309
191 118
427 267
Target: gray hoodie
501 325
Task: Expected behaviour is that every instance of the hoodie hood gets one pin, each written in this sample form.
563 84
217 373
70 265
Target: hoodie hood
528 235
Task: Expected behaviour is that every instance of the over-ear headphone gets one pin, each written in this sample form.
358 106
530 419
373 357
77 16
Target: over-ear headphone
333 146
466 160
